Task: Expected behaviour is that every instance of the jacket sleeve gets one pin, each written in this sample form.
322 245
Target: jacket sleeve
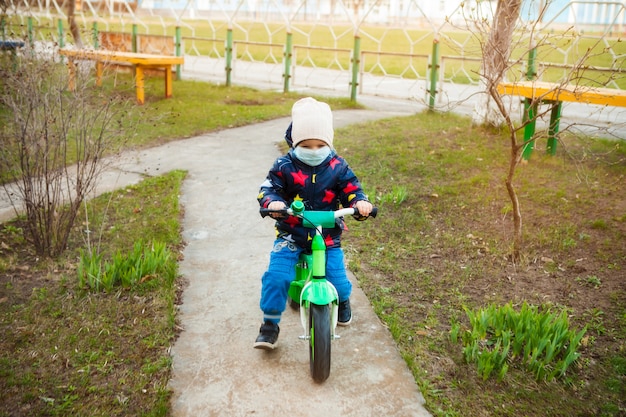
273 188
350 190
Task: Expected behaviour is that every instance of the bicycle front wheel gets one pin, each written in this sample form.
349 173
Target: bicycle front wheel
319 343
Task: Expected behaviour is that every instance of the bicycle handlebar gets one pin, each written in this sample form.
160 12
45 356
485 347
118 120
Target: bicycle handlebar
350 211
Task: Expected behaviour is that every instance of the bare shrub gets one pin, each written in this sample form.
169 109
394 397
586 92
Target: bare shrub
53 143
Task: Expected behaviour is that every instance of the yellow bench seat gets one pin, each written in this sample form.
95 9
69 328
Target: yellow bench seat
139 61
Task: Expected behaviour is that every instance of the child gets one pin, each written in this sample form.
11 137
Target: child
311 172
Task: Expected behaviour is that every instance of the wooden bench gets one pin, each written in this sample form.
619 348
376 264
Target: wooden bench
140 62
537 92
144 43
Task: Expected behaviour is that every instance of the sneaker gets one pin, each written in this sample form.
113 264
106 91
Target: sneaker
268 336
345 313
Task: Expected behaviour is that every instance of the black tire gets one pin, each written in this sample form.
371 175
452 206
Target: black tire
319 343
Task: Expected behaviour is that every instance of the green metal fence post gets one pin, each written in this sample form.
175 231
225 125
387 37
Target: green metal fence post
134 38
531 72
179 52
555 114
96 43
229 54
287 59
530 111
530 114
555 117
434 74
61 37
356 66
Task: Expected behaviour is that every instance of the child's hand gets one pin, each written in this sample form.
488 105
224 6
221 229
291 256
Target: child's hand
277 205
364 207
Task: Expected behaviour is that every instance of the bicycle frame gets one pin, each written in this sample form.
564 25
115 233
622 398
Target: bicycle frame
310 285
317 298
315 289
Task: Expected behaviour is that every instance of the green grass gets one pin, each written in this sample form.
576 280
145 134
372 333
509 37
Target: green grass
195 108
445 248
198 107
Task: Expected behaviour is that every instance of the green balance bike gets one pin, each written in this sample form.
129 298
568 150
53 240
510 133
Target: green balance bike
315 297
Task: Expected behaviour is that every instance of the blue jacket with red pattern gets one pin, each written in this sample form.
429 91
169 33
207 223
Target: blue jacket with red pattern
324 187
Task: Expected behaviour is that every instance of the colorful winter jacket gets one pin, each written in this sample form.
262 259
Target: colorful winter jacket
325 187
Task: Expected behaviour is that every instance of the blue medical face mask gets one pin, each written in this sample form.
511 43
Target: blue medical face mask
312 157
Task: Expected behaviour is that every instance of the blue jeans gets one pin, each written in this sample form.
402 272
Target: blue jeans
281 271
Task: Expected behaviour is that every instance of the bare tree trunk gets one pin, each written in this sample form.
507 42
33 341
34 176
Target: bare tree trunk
514 160
484 112
496 54
71 20
517 212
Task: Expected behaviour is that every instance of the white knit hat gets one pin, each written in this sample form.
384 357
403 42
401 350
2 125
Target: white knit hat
311 119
